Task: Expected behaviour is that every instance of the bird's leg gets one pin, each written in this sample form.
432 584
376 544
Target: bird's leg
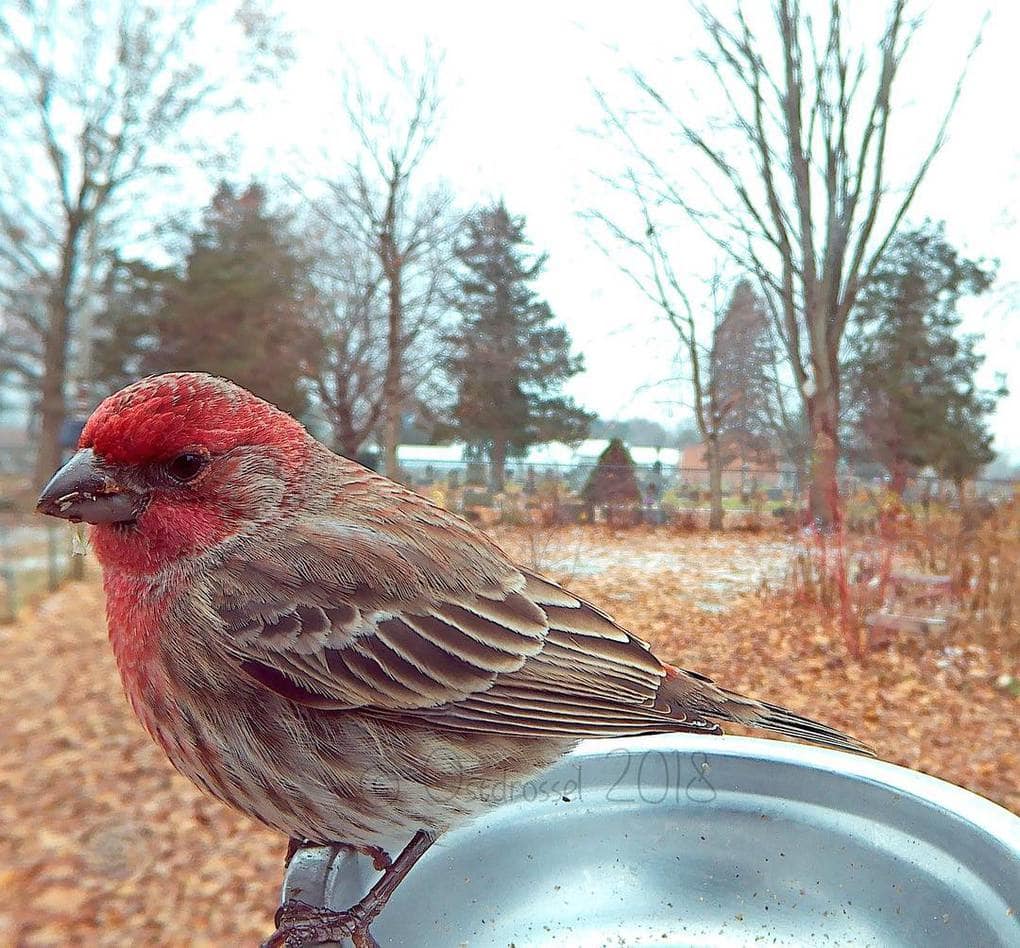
373 903
298 923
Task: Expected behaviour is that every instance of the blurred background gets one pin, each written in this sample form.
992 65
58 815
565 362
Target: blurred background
709 310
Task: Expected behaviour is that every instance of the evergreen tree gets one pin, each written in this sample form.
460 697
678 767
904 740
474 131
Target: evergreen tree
507 358
912 397
126 330
613 481
239 309
966 443
740 388
238 306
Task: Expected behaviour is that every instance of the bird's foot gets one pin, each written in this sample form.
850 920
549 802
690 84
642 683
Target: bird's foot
299 924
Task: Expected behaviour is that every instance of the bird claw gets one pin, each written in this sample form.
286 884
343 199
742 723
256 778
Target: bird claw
299 924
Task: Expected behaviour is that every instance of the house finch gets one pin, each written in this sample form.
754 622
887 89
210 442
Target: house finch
333 654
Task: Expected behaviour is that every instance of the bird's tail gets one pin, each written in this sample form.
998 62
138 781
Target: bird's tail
689 692
773 717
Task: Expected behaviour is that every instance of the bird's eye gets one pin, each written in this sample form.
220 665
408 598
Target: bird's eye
186 467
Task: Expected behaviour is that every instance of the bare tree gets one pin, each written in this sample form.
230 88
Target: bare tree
721 349
797 177
351 317
785 418
23 300
377 204
96 97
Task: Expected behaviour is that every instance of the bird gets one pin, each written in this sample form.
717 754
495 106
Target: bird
335 655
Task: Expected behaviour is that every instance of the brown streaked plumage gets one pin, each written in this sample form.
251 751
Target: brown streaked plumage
330 652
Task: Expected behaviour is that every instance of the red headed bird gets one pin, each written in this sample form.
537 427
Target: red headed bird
331 653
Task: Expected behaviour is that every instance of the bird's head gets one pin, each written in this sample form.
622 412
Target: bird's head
176 464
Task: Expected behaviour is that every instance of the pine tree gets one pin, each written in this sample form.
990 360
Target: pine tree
238 311
732 405
126 330
236 306
613 481
913 401
507 358
740 362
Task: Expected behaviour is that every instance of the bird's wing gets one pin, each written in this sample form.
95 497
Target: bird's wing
590 678
343 617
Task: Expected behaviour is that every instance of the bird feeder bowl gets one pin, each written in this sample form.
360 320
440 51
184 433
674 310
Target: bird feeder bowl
693 840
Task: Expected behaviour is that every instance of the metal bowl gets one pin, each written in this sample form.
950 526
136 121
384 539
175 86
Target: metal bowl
704 841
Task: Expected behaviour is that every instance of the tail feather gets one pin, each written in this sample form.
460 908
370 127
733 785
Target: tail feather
773 717
685 692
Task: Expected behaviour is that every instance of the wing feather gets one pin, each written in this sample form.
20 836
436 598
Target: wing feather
585 620
413 625
500 658
489 631
426 689
544 593
433 633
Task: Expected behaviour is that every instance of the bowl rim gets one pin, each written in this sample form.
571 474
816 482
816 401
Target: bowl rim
315 871
930 790
335 877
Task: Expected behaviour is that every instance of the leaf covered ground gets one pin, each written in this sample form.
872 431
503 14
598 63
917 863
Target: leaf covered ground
102 843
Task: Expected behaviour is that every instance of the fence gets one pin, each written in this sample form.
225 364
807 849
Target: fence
35 552
35 557
555 492
665 491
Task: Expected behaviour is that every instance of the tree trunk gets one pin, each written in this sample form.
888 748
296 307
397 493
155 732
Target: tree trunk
823 491
961 493
53 405
347 439
392 387
898 476
347 444
497 465
714 457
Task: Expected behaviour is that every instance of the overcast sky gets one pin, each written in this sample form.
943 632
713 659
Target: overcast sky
517 84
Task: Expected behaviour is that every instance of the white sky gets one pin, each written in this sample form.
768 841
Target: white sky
517 86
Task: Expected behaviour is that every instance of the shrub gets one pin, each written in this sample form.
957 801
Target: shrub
613 480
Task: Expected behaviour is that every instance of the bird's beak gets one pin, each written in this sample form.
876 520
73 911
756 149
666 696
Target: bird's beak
85 489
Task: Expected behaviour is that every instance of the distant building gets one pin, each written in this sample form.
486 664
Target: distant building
588 452
757 470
